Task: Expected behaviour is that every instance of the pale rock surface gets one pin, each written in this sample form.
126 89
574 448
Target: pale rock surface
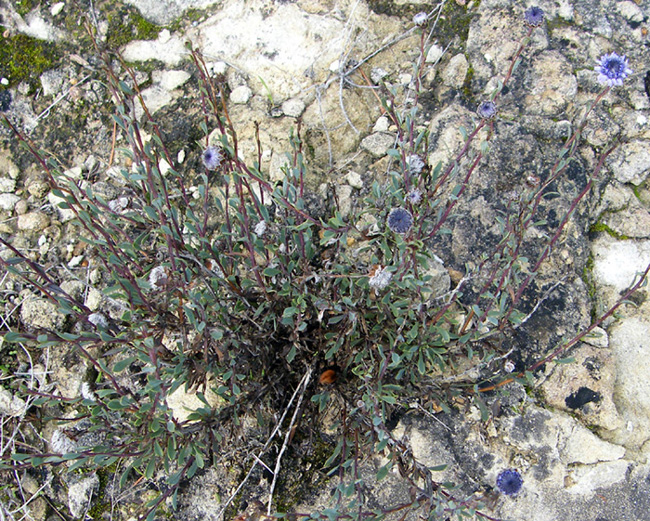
377 144
170 79
579 445
39 313
454 73
616 264
344 195
585 480
629 342
354 180
7 185
445 138
33 222
630 162
589 379
80 493
634 222
8 202
155 97
183 402
164 12
630 11
11 405
167 48
551 84
293 107
240 95
65 214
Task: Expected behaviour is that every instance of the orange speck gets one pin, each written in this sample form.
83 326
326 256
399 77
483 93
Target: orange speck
328 376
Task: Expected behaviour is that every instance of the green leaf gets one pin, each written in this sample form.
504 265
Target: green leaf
151 467
383 471
292 353
123 364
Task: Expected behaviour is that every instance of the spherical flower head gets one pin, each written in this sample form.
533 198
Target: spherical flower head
415 164
380 278
260 228
420 19
212 158
533 16
158 278
612 69
509 482
414 196
486 110
399 220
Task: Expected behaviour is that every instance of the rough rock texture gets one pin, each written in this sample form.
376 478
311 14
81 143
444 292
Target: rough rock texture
579 435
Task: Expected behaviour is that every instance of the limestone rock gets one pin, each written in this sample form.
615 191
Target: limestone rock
377 144
585 387
37 313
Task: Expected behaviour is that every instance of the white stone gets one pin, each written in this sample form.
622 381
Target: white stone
240 95
11 405
33 222
183 402
57 8
74 172
166 48
630 163
377 144
293 107
170 80
35 26
434 53
164 12
629 342
279 163
344 194
7 185
51 81
630 11
597 338
80 495
354 180
580 445
381 124
288 48
335 66
155 98
617 262
8 202
586 479
455 72
65 214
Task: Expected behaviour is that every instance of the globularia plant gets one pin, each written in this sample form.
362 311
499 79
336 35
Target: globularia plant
220 281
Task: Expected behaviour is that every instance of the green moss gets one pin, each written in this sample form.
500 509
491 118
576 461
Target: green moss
602 227
126 25
23 58
25 6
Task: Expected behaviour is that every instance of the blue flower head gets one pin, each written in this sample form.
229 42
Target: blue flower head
399 220
612 69
212 158
533 16
486 110
421 19
509 482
